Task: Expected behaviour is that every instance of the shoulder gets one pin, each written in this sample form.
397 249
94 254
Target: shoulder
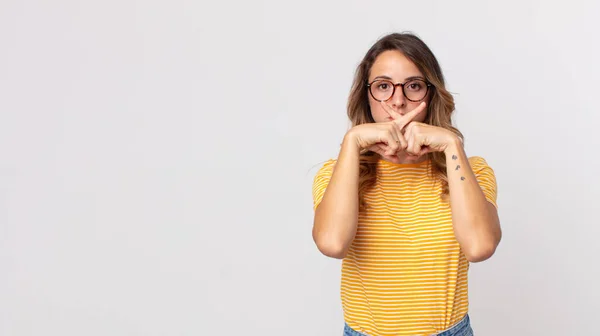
478 163
477 160
485 177
321 181
324 173
482 170
326 168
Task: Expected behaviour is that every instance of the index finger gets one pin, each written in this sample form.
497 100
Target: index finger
404 120
393 114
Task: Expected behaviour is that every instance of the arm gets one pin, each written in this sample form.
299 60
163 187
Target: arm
336 217
475 219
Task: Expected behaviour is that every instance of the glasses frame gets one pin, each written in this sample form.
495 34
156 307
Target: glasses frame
369 86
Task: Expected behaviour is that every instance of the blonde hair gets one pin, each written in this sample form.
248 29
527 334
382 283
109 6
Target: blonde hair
439 110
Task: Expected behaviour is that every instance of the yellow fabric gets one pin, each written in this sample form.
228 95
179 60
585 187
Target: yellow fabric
404 273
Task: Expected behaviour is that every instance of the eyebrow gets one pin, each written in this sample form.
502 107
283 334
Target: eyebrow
406 79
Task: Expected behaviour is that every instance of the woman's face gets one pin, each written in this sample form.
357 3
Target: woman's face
393 67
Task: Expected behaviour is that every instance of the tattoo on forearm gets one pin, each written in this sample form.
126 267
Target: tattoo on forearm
454 157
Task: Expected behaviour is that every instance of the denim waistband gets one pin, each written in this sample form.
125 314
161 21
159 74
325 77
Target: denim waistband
461 328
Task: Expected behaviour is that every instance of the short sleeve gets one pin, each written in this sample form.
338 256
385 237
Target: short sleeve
321 181
486 178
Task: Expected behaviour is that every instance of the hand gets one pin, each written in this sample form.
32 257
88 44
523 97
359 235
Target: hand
385 138
424 138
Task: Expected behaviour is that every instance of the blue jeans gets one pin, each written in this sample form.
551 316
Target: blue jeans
462 328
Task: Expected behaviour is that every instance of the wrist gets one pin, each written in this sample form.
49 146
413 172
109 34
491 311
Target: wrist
453 145
350 141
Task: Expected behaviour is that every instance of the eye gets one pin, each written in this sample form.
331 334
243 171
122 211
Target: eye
415 86
383 86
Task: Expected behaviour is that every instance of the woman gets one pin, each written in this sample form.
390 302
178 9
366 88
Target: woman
402 204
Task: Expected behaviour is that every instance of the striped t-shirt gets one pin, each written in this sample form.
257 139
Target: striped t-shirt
404 273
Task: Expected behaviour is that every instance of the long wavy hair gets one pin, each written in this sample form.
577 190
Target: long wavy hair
439 108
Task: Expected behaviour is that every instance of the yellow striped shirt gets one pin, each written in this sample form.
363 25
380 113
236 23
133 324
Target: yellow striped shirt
404 273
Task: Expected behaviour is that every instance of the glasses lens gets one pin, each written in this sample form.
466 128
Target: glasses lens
415 89
382 89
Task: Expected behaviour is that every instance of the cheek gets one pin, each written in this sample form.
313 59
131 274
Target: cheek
422 116
377 111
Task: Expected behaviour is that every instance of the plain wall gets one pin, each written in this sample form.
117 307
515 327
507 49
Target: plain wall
157 158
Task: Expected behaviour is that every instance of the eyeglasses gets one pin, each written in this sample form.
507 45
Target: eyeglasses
414 90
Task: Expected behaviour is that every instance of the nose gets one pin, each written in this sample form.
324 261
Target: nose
398 100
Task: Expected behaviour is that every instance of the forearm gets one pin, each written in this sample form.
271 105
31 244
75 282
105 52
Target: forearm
336 217
475 220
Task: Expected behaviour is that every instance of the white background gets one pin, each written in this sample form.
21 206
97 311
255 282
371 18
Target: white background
157 160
